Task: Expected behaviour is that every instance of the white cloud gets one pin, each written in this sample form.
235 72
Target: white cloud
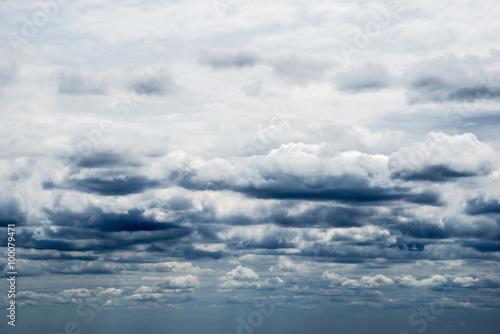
441 155
240 273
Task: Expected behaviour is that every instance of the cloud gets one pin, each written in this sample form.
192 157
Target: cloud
299 68
180 282
298 171
220 58
480 206
336 279
11 213
240 278
154 80
451 78
7 72
442 157
200 200
368 282
370 76
287 265
114 185
94 218
428 230
292 66
74 81
241 273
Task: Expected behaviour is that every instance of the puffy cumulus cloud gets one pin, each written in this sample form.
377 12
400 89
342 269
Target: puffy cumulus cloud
363 234
370 76
452 78
334 278
408 281
435 280
233 284
161 290
443 157
240 273
295 171
368 282
285 264
245 278
62 297
465 281
351 244
450 281
179 282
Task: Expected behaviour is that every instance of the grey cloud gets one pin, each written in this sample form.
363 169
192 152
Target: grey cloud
294 67
11 213
94 218
451 78
371 76
419 229
115 185
73 81
7 72
480 206
104 159
220 58
96 230
299 68
154 80
474 93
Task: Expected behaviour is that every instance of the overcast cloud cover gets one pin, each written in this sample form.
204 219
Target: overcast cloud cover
251 166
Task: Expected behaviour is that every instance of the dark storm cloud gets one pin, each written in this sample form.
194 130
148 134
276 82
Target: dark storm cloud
11 213
220 58
115 186
420 229
101 159
95 218
72 81
480 206
432 173
100 241
347 195
483 246
94 229
54 255
346 188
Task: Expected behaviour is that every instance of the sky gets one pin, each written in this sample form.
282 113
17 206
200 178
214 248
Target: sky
237 166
